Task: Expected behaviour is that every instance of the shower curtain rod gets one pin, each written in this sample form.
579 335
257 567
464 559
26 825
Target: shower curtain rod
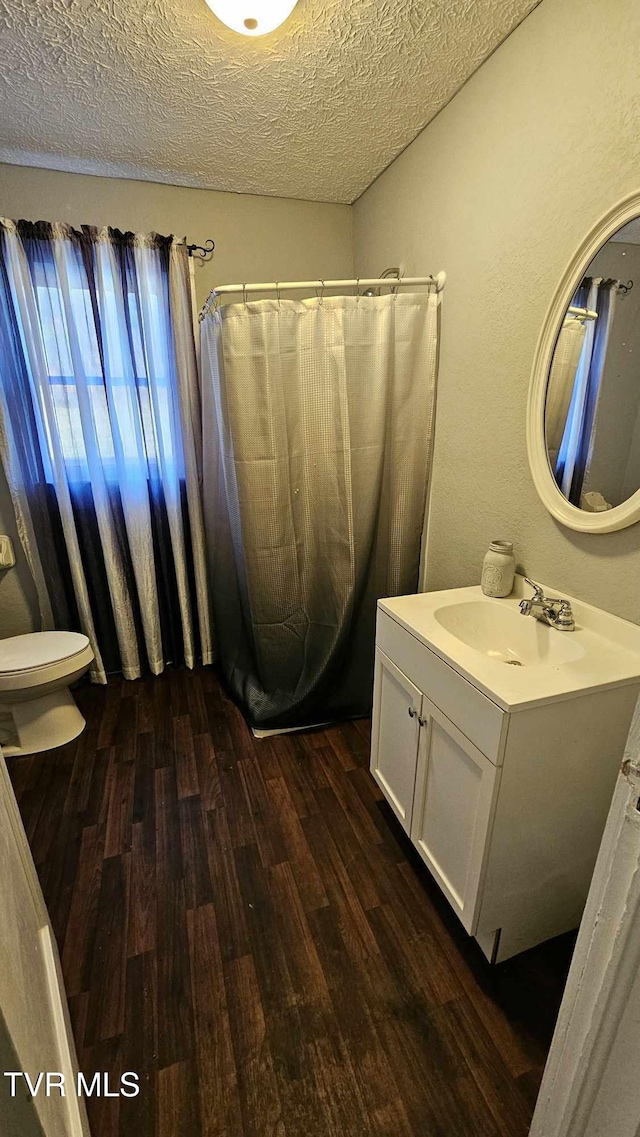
585 313
294 285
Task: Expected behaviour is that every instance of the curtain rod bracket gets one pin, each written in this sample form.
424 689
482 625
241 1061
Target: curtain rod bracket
204 251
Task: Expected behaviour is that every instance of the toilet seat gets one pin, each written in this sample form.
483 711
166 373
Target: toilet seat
37 658
38 649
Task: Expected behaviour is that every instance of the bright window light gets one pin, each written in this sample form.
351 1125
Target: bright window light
252 17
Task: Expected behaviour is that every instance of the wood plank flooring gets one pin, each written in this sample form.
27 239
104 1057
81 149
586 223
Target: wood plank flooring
244 925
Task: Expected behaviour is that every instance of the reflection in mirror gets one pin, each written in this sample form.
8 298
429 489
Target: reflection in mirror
592 408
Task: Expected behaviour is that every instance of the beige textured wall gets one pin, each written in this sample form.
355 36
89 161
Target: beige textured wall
18 598
257 238
499 190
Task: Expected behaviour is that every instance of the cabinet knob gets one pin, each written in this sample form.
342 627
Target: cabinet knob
423 722
411 712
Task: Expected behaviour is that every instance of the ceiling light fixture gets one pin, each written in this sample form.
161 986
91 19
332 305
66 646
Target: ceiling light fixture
252 17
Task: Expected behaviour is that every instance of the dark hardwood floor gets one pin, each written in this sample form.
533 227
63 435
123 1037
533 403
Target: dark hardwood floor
243 925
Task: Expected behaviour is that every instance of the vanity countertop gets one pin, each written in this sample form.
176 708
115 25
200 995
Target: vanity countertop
516 660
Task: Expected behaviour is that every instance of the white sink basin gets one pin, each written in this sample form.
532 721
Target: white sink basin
502 633
517 660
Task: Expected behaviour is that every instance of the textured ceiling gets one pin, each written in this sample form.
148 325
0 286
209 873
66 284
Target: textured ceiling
160 90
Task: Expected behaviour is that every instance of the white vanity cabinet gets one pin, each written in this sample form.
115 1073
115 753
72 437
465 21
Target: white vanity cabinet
439 785
455 791
397 710
505 807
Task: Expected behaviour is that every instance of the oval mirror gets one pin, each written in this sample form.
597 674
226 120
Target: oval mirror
583 429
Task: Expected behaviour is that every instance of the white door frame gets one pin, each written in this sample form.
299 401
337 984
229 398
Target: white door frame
66 1114
591 1073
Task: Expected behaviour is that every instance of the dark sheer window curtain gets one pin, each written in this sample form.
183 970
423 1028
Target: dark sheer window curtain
574 455
100 439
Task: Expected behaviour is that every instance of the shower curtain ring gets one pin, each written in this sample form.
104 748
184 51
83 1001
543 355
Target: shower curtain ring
357 293
278 297
244 293
322 291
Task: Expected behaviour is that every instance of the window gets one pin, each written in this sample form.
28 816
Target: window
110 371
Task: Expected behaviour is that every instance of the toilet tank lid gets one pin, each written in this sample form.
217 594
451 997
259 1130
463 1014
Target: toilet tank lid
37 649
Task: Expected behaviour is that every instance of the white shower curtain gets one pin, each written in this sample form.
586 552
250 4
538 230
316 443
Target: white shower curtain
319 425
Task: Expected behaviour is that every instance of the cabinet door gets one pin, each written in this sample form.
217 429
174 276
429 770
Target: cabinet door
395 731
456 788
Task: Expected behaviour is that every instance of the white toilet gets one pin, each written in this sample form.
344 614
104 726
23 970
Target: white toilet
37 710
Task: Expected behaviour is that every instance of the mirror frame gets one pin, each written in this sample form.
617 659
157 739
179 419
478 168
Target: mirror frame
550 494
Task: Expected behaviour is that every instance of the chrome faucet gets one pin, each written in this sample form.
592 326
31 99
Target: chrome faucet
554 612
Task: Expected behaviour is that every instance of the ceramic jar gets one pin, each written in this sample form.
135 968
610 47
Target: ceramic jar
498 569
